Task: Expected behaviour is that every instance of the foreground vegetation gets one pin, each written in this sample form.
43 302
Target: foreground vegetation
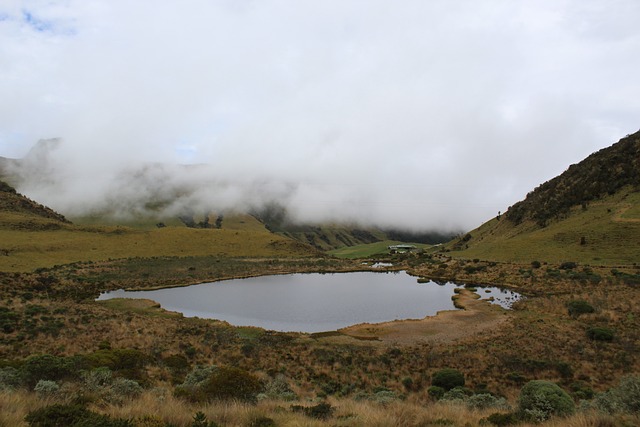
120 358
566 355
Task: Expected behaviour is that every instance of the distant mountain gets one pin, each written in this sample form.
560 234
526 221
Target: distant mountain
156 194
333 236
589 213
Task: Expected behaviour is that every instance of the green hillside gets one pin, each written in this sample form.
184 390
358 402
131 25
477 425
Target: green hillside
33 236
589 214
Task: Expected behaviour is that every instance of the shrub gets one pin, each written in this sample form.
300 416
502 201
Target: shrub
568 265
210 382
232 383
516 377
436 392
539 400
10 378
46 388
9 320
198 376
125 361
600 334
447 379
97 379
71 416
485 401
122 389
581 390
624 398
278 388
456 394
578 307
47 367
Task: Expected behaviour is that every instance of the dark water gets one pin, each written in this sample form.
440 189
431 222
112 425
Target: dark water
311 302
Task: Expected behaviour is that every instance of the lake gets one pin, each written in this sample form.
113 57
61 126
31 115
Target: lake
312 302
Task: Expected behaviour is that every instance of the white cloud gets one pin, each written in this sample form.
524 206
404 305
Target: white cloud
415 113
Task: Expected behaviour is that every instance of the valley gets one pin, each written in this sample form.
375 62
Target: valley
130 361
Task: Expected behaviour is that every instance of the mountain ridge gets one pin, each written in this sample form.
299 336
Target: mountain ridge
589 213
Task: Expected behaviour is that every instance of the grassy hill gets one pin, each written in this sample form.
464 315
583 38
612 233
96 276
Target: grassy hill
34 236
589 214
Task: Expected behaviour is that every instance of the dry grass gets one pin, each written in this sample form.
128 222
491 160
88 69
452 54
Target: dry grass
14 406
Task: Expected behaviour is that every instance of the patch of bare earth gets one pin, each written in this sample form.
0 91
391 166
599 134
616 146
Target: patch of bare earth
476 317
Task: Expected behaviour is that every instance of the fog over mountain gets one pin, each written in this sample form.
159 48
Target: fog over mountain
419 114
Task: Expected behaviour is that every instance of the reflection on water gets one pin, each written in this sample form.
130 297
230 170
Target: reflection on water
307 302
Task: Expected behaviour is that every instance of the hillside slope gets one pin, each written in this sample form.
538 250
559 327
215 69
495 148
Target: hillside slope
590 213
33 236
20 209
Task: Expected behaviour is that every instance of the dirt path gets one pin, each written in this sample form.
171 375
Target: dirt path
447 326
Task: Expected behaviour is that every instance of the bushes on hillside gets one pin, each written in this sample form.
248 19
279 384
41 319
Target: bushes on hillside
598 333
447 379
539 400
47 367
219 383
71 416
622 399
578 307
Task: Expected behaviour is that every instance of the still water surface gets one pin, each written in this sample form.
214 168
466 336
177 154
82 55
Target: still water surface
311 302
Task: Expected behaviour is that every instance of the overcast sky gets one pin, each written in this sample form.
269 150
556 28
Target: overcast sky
417 113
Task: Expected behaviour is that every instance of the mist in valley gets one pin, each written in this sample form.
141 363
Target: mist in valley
419 116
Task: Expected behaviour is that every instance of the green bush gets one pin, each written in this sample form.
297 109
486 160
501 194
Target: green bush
232 383
122 389
9 320
47 367
97 379
71 416
581 390
485 401
125 361
219 383
278 388
568 265
578 307
456 394
436 392
10 378
46 388
622 399
600 334
539 400
447 379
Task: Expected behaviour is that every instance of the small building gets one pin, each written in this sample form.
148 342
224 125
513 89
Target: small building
401 248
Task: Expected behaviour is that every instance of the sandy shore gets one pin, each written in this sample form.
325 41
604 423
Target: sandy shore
476 317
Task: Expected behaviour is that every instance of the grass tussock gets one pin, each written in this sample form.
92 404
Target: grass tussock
347 413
